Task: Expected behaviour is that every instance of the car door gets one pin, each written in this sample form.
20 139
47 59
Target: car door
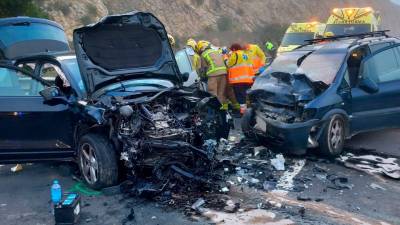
31 130
185 66
380 108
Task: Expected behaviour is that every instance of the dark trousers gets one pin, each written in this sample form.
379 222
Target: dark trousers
241 92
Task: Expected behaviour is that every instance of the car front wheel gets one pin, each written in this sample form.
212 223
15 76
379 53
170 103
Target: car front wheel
97 161
333 137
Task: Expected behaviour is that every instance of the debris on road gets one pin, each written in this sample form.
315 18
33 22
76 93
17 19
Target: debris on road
17 168
339 183
387 166
197 205
377 187
279 162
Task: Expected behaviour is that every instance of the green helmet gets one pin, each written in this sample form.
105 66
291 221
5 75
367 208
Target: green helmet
269 46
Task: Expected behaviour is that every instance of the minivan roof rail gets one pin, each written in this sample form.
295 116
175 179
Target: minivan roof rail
381 33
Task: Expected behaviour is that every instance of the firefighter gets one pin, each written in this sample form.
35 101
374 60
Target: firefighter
171 40
214 69
256 55
240 73
194 56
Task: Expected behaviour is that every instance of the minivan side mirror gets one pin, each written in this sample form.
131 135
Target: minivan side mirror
52 96
185 76
368 85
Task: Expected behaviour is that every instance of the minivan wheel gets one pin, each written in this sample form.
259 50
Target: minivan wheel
97 161
333 137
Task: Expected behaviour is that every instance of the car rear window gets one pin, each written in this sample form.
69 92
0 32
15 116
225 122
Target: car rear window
10 35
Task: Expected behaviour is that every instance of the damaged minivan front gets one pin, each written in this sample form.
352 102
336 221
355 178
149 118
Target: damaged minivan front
289 100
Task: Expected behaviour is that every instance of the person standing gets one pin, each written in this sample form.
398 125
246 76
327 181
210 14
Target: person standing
193 55
214 69
256 55
240 73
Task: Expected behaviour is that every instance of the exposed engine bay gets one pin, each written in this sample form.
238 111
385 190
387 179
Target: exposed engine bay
171 130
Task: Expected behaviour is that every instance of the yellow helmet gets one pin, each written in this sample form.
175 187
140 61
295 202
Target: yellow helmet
329 34
171 40
192 43
202 45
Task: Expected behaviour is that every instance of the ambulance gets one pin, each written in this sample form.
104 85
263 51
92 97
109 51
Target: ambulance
297 33
348 21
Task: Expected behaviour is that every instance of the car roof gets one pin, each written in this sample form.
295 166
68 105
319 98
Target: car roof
344 44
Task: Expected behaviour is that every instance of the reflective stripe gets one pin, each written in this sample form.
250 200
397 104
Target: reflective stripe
241 74
212 66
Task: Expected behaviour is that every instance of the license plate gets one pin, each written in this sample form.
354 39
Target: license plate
260 124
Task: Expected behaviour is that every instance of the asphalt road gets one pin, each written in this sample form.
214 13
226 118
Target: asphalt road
24 196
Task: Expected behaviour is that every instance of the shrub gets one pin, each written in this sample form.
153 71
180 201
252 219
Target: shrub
10 8
92 10
224 23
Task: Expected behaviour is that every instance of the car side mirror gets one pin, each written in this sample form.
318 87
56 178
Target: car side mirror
52 96
185 76
368 85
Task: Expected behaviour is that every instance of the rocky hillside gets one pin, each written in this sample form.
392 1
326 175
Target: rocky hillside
217 20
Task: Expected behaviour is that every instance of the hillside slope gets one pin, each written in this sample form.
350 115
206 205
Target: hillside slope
218 20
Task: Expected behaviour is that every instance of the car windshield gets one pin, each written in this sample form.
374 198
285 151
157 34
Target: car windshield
72 66
317 66
10 35
347 29
183 62
296 38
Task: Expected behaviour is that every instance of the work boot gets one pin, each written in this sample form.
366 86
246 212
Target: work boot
236 110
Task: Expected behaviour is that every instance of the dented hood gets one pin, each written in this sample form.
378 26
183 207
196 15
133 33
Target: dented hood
285 89
124 47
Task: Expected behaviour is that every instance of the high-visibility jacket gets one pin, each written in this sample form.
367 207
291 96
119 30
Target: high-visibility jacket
212 60
240 69
256 55
194 58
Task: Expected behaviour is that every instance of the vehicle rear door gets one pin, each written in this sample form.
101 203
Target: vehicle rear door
31 130
380 109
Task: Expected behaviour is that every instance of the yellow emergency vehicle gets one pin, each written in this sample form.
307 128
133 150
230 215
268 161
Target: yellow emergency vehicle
297 33
347 21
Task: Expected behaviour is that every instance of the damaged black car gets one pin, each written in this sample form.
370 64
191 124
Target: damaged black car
324 92
116 105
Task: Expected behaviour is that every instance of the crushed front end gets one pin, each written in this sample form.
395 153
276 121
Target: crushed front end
279 111
167 132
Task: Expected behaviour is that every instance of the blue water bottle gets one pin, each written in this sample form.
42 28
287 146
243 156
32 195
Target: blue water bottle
55 192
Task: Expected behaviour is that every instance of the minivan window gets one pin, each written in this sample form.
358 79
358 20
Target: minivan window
382 67
296 38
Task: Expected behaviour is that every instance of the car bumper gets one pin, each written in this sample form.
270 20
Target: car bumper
288 137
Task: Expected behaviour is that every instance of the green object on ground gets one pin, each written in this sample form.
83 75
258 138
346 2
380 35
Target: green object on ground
84 190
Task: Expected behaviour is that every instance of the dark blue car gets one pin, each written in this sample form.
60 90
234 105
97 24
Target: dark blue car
327 91
118 104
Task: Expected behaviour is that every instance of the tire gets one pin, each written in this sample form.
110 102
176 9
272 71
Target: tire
333 137
102 170
247 123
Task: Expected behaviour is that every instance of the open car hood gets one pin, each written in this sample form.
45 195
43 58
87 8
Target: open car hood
22 36
124 47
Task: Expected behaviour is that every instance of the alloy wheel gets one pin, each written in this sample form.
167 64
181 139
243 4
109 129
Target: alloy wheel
89 165
336 135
